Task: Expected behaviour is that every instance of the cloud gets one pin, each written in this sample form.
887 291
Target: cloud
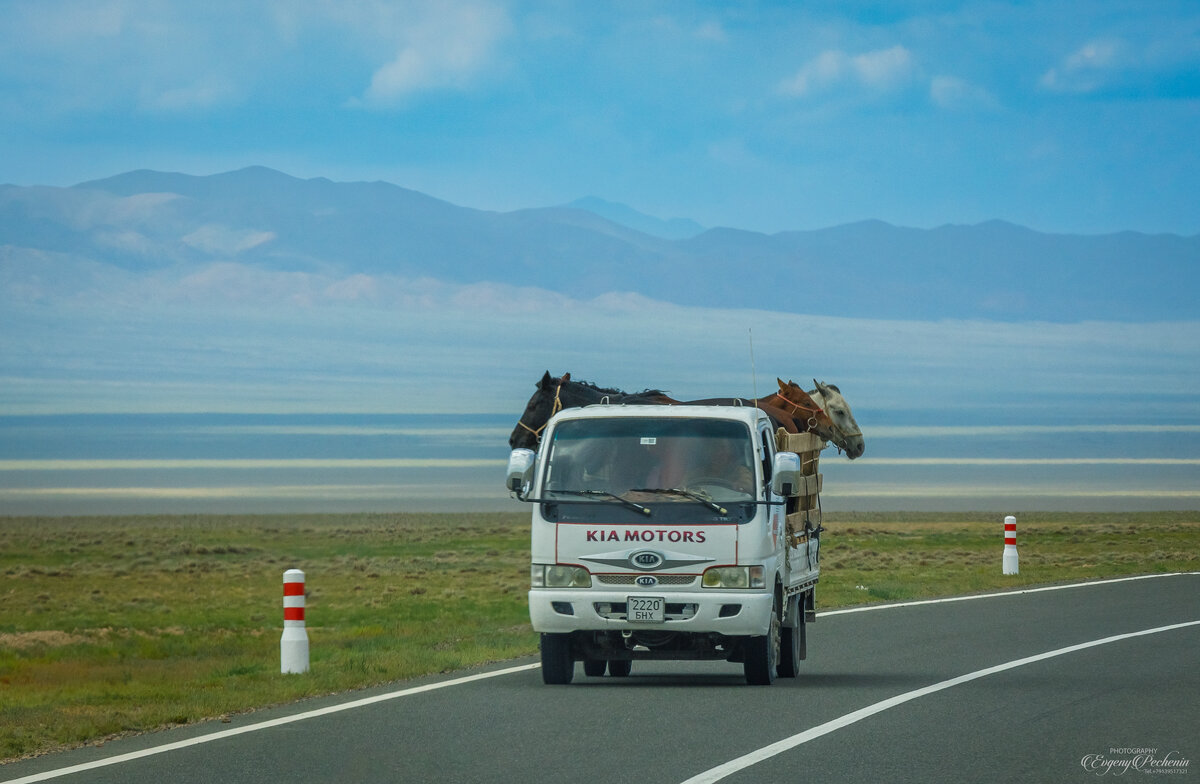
711 31
121 55
132 243
139 208
67 24
880 70
225 284
226 241
950 92
1165 65
205 93
170 58
355 288
883 68
447 49
1088 68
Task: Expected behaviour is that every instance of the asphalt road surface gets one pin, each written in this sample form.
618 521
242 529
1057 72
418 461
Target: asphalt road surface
1057 685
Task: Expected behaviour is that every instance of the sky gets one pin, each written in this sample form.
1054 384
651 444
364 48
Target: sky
1064 117
763 116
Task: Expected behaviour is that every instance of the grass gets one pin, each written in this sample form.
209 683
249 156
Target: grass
112 625
902 556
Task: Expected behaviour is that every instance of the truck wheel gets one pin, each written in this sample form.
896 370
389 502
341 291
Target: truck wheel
762 653
594 668
619 668
557 665
791 649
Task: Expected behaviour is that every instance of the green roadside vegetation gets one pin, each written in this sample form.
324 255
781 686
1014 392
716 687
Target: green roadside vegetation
113 625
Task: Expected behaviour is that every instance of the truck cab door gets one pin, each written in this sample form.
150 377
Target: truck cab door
776 520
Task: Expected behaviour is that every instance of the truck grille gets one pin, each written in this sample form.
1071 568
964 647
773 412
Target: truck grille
663 579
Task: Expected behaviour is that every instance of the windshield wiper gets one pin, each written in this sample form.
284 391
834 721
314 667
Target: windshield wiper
692 494
605 494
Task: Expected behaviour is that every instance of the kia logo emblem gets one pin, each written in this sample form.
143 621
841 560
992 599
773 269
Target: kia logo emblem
647 580
646 559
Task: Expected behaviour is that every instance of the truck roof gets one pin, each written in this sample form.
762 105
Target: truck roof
748 414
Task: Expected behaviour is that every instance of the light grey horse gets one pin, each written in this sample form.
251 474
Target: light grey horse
844 433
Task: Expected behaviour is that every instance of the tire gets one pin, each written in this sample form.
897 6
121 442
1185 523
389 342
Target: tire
558 667
791 649
594 668
620 668
762 653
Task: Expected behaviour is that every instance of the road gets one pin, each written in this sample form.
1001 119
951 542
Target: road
1027 686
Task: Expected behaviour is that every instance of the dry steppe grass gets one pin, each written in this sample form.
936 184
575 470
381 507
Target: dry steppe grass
112 625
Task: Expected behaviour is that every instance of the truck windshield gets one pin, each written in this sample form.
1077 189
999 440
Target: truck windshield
668 464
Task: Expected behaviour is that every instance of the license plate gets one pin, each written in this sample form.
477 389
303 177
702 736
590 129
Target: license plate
645 609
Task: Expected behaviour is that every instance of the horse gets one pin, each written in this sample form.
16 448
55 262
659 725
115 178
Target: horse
790 408
823 411
842 430
807 415
555 394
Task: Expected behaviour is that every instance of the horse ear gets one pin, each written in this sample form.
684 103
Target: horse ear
782 386
545 382
565 378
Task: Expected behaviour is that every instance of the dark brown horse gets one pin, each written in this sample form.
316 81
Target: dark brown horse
555 394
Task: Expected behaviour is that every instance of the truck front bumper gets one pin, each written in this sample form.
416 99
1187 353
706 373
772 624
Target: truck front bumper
731 613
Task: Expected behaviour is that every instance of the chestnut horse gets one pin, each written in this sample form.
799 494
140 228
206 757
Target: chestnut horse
804 411
823 411
774 406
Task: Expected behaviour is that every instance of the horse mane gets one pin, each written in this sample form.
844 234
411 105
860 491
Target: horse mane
614 391
595 388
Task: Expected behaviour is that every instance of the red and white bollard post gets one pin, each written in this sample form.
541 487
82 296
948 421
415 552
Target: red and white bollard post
1009 563
293 645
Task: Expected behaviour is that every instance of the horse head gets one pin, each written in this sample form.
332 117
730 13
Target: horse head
555 394
545 403
807 414
845 433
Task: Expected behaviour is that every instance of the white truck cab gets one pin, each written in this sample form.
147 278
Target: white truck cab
661 532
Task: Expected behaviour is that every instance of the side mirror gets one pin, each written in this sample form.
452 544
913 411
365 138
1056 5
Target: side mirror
786 479
520 469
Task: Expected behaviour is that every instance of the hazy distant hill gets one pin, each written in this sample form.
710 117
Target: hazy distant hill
671 229
145 220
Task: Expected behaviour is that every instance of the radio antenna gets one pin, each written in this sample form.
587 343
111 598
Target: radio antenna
753 369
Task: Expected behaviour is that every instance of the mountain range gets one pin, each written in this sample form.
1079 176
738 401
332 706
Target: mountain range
142 222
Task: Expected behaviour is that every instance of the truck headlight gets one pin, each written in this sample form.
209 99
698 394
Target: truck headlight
734 577
545 576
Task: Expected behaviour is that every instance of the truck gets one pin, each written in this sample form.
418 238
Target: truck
670 532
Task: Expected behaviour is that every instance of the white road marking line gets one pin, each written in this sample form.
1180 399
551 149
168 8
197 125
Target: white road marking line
754 757
999 594
50 774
